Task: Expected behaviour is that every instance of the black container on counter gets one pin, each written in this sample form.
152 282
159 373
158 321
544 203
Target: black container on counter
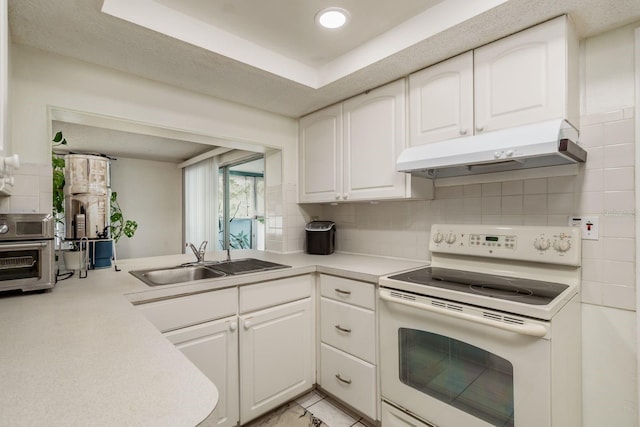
321 237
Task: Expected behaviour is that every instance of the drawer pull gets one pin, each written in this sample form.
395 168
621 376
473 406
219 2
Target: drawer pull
342 379
340 291
341 329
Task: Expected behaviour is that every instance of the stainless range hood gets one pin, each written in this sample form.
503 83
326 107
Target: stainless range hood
537 145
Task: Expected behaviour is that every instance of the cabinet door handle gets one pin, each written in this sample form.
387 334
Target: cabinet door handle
463 131
341 329
479 128
337 196
233 326
247 324
342 379
340 291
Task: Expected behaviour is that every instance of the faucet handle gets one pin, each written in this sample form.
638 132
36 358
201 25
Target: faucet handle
203 245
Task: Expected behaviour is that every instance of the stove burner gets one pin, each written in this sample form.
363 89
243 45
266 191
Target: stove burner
517 289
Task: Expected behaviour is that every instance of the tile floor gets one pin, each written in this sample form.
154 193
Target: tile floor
313 409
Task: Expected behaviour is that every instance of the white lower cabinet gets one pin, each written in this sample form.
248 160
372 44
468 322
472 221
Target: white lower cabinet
276 357
348 378
348 342
213 348
255 343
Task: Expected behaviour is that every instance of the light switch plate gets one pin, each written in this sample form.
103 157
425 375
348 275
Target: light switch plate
589 226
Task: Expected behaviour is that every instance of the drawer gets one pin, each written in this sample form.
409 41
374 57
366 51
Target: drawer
176 313
354 292
275 292
349 379
349 328
393 417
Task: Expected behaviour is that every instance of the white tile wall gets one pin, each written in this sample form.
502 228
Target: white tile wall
32 190
604 187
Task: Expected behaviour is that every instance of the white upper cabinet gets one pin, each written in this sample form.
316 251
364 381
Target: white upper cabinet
320 147
528 77
348 152
441 101
374 136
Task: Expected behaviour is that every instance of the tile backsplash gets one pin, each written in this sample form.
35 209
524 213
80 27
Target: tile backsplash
604 187
32 190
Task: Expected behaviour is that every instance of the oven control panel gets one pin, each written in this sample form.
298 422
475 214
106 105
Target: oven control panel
556 245
494 241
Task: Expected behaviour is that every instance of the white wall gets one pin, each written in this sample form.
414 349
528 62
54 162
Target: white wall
40 80
150 193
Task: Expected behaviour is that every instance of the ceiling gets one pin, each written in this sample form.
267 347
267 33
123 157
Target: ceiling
269 55
117 143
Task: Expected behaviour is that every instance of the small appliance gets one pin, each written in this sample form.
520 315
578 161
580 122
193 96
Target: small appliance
321 237
26 252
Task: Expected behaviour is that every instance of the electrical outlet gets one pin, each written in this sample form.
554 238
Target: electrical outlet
589 226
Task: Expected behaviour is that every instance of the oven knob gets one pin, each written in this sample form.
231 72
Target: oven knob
4 228
541 244
451 238
438 237
562 245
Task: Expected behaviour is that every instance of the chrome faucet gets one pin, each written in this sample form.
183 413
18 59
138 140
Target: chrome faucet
199 253
228 254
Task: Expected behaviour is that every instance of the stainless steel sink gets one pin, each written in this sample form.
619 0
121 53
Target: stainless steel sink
210 270
173 275
243 266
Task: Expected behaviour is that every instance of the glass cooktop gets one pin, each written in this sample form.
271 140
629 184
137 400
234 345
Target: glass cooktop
526 291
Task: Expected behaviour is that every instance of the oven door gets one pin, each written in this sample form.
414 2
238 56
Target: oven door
456 365
26 265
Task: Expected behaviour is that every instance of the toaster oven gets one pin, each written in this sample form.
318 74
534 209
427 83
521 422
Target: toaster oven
26 252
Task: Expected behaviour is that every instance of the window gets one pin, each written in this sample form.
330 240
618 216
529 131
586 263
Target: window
241 205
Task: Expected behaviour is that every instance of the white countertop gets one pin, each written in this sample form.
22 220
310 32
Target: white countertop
82 355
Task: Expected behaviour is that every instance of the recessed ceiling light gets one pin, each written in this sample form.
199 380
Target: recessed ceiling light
332 17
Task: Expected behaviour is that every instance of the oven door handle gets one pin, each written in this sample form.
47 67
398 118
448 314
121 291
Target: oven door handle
531 329
22 246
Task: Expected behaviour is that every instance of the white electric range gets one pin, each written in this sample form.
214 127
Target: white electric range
489 333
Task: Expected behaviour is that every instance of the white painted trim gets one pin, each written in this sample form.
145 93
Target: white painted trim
637 188
125 125
4 77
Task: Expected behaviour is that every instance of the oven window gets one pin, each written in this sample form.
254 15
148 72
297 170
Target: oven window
19 264
461 375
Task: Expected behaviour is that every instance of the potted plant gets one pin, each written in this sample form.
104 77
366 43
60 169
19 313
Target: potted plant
58 165
118 227
70 255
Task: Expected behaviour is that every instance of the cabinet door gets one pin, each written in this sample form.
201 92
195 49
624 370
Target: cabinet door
374 136
276 357
213 348
441 101
320 162
521 79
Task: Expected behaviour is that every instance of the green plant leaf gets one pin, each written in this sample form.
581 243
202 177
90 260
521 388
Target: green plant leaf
59 139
